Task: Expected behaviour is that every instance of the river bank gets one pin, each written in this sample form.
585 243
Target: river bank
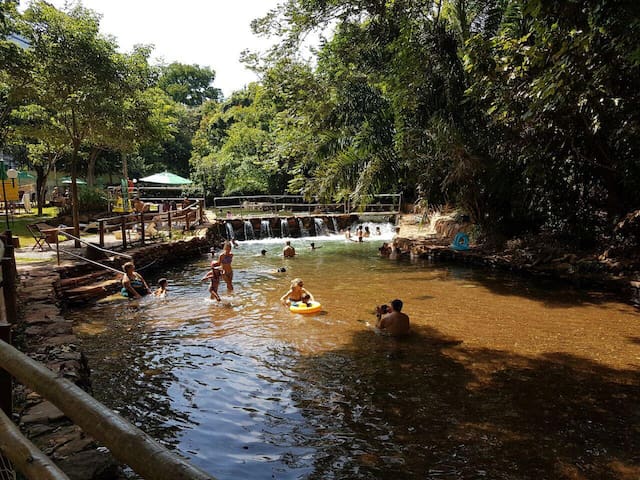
536 258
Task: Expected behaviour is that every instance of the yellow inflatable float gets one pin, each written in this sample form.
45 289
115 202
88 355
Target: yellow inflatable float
301 307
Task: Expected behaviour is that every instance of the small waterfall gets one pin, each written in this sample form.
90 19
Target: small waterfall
321 228
334 222
230 233
265 229
248 230
284 227
303 231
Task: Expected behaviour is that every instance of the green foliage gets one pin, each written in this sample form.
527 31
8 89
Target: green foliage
92 200
188 84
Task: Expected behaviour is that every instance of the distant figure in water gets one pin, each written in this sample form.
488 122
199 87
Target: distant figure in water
312 246
288 250
378 232
161 291
296 293
391 320
385 249
263 252
367 232
360 233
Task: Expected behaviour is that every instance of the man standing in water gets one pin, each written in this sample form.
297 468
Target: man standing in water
288 250
391 320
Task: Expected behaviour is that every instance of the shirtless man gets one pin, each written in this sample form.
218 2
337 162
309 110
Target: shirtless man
288 250
391 320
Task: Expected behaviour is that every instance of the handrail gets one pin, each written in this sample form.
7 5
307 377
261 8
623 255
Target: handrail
89 244
28 459
128 443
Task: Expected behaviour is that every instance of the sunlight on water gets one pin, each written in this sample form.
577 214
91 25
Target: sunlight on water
246 389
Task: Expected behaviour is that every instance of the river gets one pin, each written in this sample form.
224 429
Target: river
502 377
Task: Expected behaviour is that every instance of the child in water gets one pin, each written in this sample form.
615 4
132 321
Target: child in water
214 275
162 288
296 293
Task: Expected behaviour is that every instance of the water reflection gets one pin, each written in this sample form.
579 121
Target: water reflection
503 378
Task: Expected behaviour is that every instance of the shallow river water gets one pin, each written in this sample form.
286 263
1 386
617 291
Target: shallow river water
502 378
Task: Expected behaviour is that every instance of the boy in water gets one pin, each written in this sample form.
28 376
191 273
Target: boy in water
162 288
214 275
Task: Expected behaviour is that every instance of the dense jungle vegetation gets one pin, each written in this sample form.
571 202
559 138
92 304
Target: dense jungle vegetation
523 113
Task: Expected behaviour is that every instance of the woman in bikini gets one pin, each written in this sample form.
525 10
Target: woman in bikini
133 285
226 257
296 293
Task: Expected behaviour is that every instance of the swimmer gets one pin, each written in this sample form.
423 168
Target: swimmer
161 291
312 246
263 252
288 250
296 293
391 320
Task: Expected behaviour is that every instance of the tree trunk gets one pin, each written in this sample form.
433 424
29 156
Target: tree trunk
91 167
75 206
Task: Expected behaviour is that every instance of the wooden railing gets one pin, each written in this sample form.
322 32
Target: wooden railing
148 224
258 205
128 444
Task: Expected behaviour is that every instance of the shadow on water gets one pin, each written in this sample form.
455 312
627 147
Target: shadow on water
428 407
504 283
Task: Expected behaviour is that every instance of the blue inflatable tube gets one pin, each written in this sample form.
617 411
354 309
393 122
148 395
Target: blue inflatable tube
460 242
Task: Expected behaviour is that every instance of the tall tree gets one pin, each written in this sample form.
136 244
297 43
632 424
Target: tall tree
80 78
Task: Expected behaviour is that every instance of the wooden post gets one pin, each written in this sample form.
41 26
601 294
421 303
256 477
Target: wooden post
9 285
123 229
101 230
6 384
57 247
142 228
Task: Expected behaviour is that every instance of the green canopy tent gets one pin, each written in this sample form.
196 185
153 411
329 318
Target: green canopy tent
26 177
166 178
67 181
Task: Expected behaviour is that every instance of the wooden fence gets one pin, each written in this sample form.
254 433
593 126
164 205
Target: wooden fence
139 227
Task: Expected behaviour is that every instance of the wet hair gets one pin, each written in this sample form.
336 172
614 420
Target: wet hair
127 265
263 252
397 305
282 269
296 282
162 282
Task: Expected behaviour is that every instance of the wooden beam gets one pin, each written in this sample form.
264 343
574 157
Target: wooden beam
24 455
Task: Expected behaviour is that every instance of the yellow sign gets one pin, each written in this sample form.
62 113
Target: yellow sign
10 187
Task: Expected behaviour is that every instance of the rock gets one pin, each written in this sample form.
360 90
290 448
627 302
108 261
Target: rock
90 465
45 412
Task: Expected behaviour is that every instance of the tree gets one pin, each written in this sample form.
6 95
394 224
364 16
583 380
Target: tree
80 79
190 85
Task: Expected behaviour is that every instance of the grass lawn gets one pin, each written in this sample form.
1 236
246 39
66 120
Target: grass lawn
18 224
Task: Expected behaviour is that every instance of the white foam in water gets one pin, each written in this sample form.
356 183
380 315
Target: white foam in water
387 231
